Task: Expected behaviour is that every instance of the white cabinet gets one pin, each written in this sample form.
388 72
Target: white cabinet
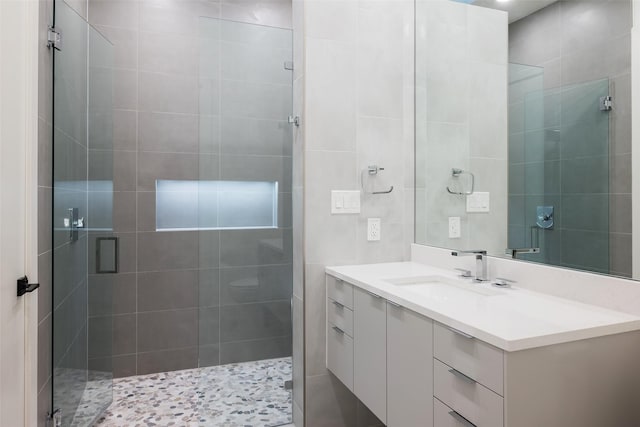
474 358
340 355
409 368
370 351
340 330
472 400
411 371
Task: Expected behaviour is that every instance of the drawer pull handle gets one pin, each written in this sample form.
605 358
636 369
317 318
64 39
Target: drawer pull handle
338 330
372 294
461 419
337 304
461 375
462 334
395 304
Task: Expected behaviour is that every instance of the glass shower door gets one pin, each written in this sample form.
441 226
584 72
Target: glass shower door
244 199
558 171
82 379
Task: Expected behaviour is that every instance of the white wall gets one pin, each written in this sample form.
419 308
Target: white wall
358 110
461 110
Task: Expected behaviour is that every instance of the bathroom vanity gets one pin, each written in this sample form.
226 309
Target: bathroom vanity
420 346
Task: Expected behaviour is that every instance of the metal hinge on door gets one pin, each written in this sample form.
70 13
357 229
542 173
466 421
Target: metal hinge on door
56 418
54 38
606 103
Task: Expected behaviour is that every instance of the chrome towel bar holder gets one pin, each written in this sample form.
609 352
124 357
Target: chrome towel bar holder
372 170
455 172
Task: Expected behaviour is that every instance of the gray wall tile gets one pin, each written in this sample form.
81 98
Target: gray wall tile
620 254
114 13
255 247
255 321
160 52
167 360
209 326
154 166
168 93
124 41
167 290
619 208
177 133
162 330
124 211
125 130
209 283
112 294
245 351
255 284
125 89
171 250
208 355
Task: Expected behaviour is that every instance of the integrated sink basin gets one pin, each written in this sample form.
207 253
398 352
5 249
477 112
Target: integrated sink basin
432 285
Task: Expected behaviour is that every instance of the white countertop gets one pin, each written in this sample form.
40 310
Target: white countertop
510 318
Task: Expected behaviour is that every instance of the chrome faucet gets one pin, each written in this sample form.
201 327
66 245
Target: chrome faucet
481 263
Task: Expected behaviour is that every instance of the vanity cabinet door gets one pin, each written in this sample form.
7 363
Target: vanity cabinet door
370 351
409 368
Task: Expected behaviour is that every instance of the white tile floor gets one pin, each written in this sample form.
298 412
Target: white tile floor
240 395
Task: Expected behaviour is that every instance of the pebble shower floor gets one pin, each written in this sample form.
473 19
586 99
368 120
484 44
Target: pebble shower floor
248 394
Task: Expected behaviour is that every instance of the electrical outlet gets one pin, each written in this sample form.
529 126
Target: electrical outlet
373 229
454 227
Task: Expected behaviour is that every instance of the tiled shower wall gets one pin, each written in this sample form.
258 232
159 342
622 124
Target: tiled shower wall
175 303
357 86
168 282
579 41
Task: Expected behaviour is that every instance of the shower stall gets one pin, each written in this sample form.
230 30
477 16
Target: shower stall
172 228
559 169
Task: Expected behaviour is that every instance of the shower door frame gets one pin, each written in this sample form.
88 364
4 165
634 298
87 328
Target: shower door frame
19 27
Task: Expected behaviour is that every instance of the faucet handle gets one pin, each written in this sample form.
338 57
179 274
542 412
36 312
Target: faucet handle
464 272
503 283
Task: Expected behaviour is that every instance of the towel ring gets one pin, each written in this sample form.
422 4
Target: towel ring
455 172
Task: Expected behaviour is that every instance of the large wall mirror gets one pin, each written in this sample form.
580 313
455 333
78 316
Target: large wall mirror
523 130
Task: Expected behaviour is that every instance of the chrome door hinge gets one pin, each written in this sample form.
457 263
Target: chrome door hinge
606 103
294 120
56 418
54 38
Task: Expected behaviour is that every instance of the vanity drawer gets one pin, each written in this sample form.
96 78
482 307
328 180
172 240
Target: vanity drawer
475 358
340 355
340 316
340 291
472 400
443 416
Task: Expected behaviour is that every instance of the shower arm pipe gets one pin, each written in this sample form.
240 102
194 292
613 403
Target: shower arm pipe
455 172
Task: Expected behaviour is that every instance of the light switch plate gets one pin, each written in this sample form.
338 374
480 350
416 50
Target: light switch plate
478 202
345 202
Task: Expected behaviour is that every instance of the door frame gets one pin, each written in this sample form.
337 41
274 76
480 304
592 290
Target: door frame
20 19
